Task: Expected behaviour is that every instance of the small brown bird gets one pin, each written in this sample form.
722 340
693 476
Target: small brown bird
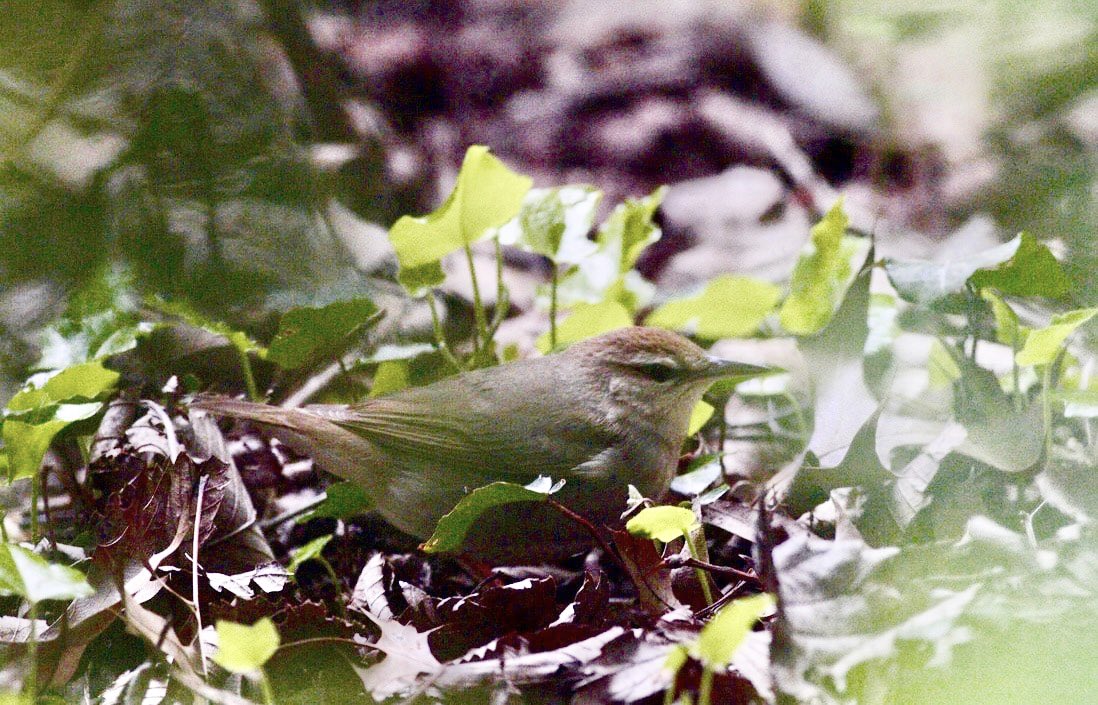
606 413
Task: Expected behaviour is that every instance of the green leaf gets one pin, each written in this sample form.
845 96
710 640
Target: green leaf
31 577
487 194
26 443
698 417
1007 329
342 501
183 311
620 241
1043 344
729 307
587 321
822 274
1078 403
308 333
391 376
555 222
85 381
1023 267
664 523
243 648
307 552
722 636
1031 270
454 526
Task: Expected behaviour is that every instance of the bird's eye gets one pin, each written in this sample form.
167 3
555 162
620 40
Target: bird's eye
658 371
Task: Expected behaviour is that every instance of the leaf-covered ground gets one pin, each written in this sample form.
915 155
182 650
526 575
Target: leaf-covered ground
291 203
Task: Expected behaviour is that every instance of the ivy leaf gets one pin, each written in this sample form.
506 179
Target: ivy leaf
41 413
1031 270
245 648
341 501
1043 344
554 223
722 636
587 321
84 381
238 339
452 528
487 194
620 241
1023 267
729 307
31 577
701 413
1008 330
308 333
307 552
664 523
822 275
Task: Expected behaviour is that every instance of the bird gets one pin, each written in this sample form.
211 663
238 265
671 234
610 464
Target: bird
603 414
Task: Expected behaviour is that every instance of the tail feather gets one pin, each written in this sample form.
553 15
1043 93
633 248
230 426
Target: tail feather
248 410
334 448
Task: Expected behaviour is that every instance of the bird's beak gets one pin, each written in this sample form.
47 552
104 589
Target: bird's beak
720 368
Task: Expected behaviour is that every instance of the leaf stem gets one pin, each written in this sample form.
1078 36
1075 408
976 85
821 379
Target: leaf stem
703 577
440 339
553 308
31 685
705 687
249 378
480 340
265 687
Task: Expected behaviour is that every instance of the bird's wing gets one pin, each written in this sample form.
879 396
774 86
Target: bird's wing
502 436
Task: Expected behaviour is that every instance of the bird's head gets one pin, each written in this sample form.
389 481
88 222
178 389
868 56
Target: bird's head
658 369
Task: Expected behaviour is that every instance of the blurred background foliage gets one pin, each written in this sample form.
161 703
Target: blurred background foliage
243 156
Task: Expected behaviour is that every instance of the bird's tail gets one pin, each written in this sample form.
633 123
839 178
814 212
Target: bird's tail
248 410
333 447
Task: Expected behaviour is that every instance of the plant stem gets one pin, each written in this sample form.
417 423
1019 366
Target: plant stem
553 308
481 338
36 491
265 687
705 687
249 378
703 577
335 582
440 339
1046 409
30 688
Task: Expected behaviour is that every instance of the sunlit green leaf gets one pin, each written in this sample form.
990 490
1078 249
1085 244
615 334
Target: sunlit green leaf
1043 344
722 636
1031 270
698 417
587 321
822 274
84 381
487 194
663 523
1007 329
307 552
306 334
243 648
26 443
1022 267
621 239
730 307
452 528
30 576
555 222
391 376
342 500
185 312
